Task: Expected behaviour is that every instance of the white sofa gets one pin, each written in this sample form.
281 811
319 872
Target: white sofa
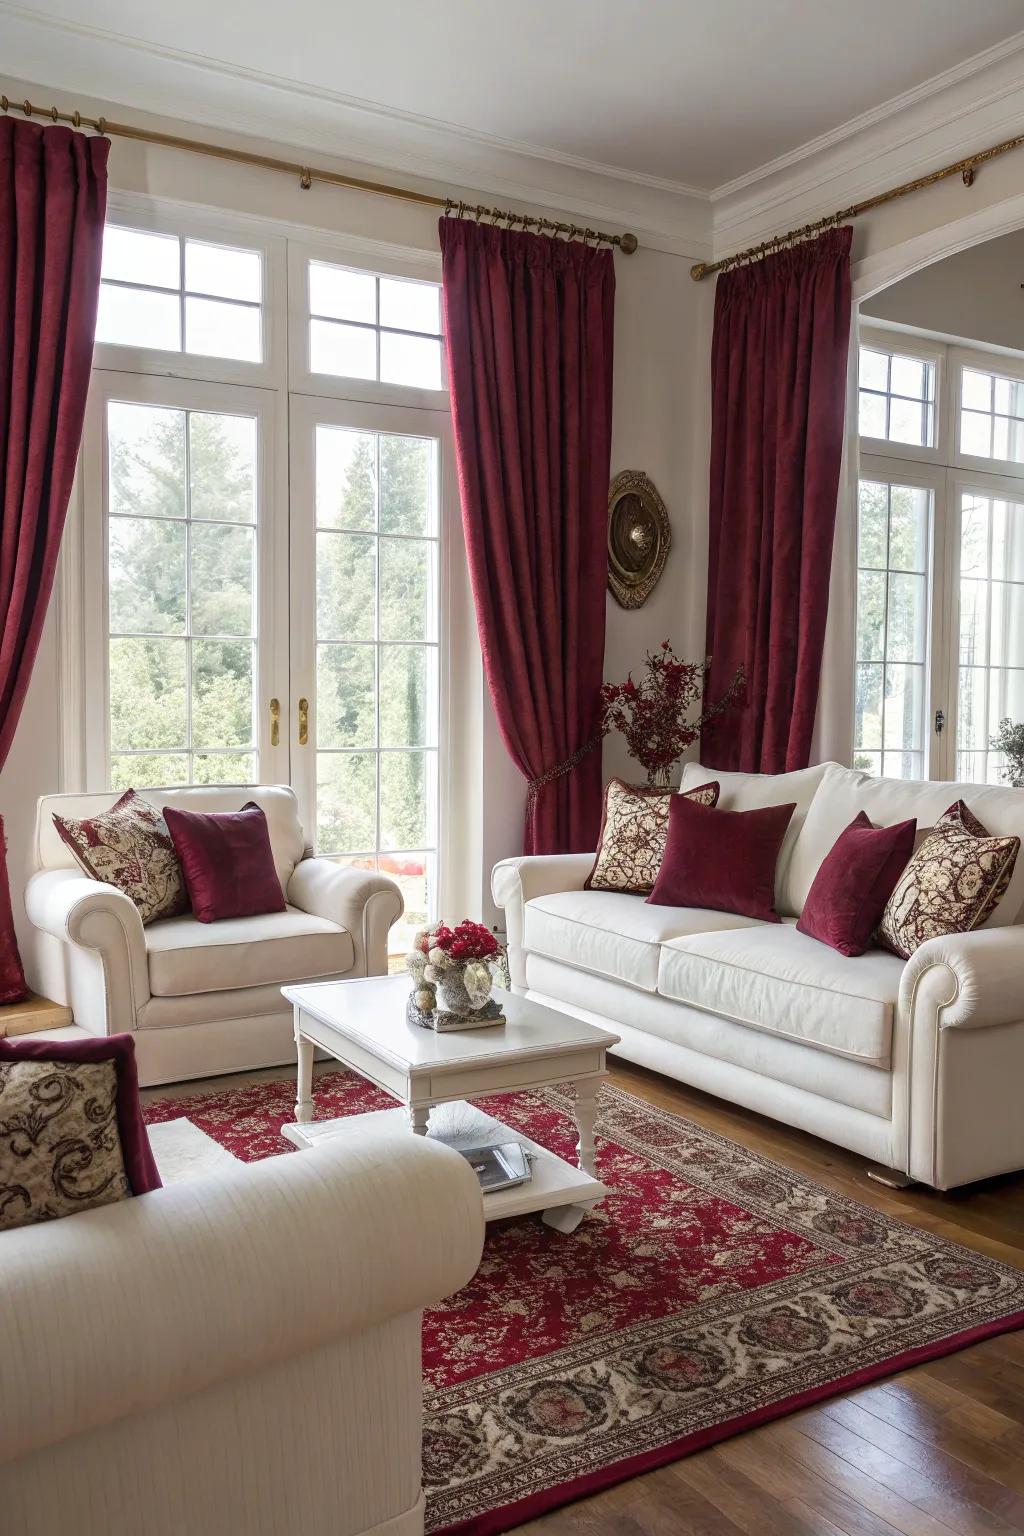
916 1065
235 1354
201 998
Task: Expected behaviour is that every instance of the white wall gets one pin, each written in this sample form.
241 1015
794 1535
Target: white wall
659 427
975 294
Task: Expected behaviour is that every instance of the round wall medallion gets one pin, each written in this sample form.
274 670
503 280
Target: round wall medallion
639 538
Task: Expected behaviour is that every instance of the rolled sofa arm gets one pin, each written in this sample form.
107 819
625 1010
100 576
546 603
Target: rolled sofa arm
364 902
195 1283
95 916
966 980
514 882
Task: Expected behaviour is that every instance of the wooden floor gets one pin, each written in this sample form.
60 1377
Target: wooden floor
932 1451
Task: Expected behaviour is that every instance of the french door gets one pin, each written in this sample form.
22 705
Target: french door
369 678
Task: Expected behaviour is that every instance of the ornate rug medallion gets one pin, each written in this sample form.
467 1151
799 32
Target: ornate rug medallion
712 1290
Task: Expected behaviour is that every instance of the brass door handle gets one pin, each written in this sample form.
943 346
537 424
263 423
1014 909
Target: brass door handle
303 722
275 722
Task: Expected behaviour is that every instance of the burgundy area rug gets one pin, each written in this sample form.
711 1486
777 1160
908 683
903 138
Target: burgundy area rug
711 1291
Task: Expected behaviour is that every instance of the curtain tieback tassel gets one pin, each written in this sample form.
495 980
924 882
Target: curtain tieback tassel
535 786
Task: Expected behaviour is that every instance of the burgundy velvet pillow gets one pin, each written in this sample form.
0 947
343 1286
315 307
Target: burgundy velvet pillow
724 860
227 862
845 903
139 1165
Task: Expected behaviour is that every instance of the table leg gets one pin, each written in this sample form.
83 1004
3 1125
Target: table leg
586 1114
419 1120
304 1090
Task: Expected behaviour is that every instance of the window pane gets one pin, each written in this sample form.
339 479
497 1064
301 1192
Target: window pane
223 768
416 874
147 576
1008 540
406 798
146 447
217 329
407 586
1007 633
1000 438
410 306
1005 696
874 369
223 560
908 377
222 463
408 696
138 317
346 802
908 528
976 390
148 770
868 762
906 421
873 530
346 599
974 535
135 256
407 485
342 294
868 728
347 351
346 478
906 638
346 696
973 622
903 765
904 707
976 434
972 701
871 421
147 694
970 767
411 360
222 712
222 270
870 616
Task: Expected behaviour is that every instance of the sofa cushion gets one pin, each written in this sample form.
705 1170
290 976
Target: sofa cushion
186 956
845 791
754 791
613 934
785 982
724 860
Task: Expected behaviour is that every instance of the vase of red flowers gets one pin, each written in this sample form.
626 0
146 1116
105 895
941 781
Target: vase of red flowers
452 976
655 714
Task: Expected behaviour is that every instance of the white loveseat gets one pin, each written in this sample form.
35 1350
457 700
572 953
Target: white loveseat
916 1065
236 1354
201 998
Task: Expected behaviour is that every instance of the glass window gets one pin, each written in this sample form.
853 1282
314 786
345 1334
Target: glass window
362 326
170 294
893 562
991 638
991 416
181 595
896 397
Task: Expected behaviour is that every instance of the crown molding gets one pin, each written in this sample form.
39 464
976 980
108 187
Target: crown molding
365 137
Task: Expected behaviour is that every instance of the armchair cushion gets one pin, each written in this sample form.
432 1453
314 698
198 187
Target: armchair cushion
129 846
187 956
227 862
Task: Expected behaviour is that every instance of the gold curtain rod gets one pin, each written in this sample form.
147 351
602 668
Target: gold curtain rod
964 168
307 174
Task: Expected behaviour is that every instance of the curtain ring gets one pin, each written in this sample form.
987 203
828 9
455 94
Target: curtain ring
305 178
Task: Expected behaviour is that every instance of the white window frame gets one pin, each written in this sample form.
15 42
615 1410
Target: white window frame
1005 366
880 339
417 266
271 670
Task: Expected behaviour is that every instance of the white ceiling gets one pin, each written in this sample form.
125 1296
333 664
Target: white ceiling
696 92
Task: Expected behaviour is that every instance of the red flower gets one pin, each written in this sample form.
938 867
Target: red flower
653 715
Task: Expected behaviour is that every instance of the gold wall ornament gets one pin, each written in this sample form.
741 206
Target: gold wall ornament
639 538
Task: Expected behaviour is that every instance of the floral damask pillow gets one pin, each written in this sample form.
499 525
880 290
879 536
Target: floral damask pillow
953 884
60 1151
129 846
634 827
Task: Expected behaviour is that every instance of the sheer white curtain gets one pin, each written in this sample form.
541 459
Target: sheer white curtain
833 724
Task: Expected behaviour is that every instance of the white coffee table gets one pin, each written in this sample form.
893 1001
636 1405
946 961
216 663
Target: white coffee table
362 1023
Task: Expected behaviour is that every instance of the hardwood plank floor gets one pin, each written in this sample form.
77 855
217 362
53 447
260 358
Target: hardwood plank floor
935 1451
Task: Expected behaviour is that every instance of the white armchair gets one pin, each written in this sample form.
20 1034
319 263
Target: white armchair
201 998
239 1353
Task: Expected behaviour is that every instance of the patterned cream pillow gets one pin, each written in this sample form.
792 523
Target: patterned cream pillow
129 846
60 1151
634 827
954 882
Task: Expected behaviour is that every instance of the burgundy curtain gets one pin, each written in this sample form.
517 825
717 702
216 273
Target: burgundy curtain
52 201
528 324
778 382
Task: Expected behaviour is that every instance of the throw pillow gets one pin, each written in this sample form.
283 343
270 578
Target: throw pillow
227 862
723 860
129 846
634 826
847 898
953 884
71 1130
